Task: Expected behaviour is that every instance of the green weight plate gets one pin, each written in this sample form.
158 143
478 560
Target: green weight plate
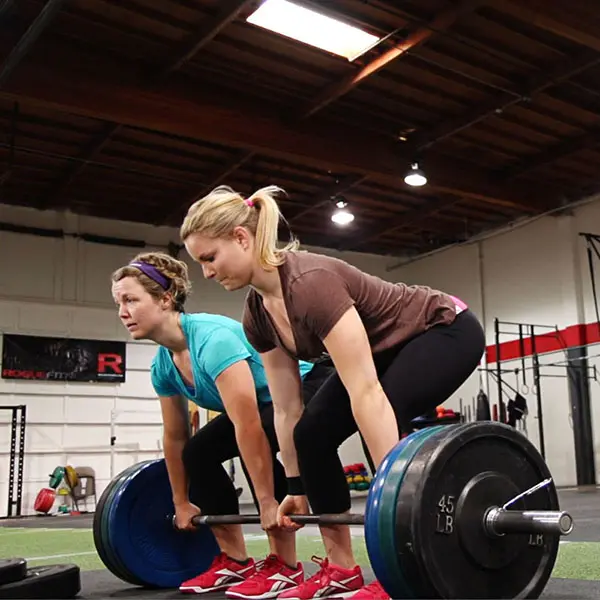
101 539
386 521
56 477
448 487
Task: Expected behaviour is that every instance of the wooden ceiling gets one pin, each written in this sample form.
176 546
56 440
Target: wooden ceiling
131 109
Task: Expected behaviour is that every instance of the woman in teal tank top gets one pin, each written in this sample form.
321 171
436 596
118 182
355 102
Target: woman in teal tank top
207 359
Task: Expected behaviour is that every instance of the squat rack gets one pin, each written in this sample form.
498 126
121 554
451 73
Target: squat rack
577 371
17 422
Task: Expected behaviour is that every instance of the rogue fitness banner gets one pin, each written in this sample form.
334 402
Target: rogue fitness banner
62 359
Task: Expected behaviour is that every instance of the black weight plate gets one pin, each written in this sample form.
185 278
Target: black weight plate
101 540
12 569
447 488
48 581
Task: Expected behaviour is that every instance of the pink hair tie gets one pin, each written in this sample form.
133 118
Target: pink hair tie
250 202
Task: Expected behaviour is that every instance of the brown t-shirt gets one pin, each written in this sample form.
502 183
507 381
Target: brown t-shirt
319 289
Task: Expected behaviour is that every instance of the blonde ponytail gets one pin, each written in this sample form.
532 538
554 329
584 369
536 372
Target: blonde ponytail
267 227
222 210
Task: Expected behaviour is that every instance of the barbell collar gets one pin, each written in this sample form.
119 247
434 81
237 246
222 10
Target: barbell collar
498 521
327 519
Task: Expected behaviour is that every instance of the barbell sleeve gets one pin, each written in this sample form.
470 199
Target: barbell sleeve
498 521
326 519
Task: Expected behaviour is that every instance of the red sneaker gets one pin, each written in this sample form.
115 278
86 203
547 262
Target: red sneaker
372 591
272 577
222 573
329 580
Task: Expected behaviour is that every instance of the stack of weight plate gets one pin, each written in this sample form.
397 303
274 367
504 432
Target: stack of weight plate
17 580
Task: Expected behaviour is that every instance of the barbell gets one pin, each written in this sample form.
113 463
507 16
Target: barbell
454 511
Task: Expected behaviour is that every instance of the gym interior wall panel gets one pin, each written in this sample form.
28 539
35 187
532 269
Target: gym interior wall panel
555 416
97 262
587 220
40 319
85 436
594 383
30 270
97 323
145 437
140 355
137 384
455 272
87 409
9 316
523 271
142 411
46 393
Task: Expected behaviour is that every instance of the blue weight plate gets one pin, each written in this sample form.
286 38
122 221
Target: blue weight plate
118 568
372 536
100 535
143 536
392 577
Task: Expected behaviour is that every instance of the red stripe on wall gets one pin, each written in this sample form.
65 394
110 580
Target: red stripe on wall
575 335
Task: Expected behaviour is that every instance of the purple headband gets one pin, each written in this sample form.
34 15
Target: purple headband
152 272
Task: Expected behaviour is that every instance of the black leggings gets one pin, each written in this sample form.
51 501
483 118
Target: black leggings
416 376
210 487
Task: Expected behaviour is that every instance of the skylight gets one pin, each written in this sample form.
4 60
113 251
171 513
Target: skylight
312 28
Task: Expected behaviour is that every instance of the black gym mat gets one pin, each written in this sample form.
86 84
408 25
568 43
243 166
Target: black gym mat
102 584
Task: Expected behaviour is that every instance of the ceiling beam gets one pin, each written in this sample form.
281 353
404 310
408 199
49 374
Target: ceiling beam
109 92
441 22
175 213
555 17
28 39
553 154
6 8
402 221
326 196
536 83
58 198
209 29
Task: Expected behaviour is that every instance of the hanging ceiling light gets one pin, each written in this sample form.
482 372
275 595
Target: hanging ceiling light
415 177
342 216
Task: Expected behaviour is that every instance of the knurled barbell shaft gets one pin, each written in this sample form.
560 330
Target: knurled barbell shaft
498 521
341 519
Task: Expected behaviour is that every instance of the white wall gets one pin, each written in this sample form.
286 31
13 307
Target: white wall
61 287
536 273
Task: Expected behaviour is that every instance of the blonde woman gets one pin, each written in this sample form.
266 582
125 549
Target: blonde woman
207 359
399 351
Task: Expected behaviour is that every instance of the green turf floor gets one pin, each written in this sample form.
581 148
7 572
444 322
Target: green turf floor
576 560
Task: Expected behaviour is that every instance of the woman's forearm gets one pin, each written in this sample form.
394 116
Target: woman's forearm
285 423
376 421
256 454
173 449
